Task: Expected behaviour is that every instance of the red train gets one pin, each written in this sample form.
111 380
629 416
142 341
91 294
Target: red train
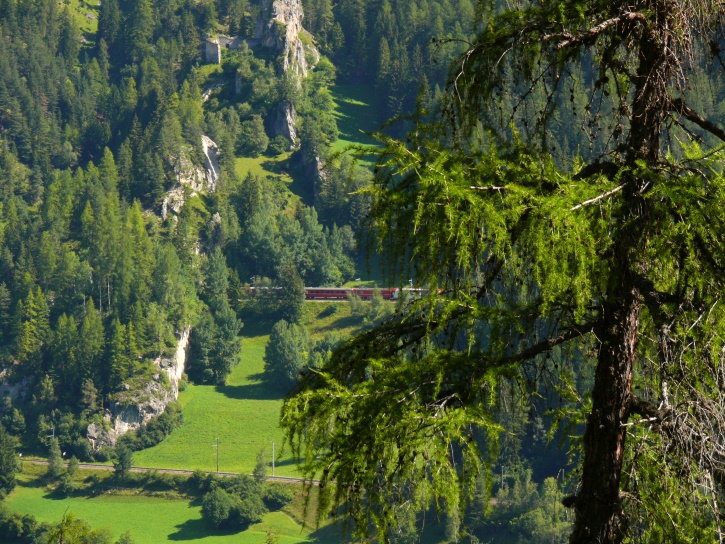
341 293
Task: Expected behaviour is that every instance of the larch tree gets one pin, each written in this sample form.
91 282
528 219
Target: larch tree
531 261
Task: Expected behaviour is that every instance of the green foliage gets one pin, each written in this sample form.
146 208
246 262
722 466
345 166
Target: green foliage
253 138
56 468
286 354
216 507
8 462
292 293
236 506
73 530
123 459
260 469
536 270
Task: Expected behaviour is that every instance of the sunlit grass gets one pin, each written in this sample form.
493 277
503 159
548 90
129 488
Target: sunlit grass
149 519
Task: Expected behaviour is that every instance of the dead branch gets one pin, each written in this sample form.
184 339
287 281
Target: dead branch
598 198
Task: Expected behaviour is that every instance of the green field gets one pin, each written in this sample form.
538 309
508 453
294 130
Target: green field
85 13
149 519
244 414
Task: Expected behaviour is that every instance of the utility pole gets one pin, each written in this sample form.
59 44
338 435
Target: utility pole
217 454
272 457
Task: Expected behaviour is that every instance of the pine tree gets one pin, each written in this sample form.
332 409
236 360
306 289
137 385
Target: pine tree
91 343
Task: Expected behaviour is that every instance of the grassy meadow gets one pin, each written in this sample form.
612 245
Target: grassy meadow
244 413
153 519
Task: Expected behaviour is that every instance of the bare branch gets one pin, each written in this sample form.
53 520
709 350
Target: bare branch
491 188
598 198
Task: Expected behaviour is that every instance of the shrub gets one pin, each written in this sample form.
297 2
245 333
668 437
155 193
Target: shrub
216 507
123 460
277 496
247 511
202 481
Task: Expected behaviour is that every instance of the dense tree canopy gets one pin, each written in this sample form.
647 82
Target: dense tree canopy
541 269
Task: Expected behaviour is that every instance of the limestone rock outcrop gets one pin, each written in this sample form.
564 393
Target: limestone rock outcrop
285 122
198 179
133 409
279 26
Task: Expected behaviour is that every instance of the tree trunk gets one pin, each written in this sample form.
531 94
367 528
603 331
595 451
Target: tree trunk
598 508
597 505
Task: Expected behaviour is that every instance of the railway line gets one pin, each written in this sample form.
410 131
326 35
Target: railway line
185 472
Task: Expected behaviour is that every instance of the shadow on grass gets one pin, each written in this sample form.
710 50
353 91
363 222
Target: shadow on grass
331 533
35 483
256 391
196 529
343 323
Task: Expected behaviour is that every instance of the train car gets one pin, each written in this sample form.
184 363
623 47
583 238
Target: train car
326 293
342 293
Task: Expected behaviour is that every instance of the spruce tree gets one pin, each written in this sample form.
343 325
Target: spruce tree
8 462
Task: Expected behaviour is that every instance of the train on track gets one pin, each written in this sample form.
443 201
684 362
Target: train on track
342 293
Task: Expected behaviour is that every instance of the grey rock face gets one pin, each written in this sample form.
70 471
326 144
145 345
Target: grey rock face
149 402
280 26
199 180
285 123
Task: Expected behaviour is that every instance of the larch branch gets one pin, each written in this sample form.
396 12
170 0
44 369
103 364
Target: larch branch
679 106
568 39
545 345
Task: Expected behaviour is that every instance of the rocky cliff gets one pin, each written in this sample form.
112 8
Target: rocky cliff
279 26
133 409
198 179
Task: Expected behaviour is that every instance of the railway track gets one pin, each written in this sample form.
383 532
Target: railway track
107 468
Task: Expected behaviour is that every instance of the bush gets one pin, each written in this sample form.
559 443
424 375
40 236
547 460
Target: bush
102 455
203 482
123 460
235 505
216 507
67 485
247 511
277 496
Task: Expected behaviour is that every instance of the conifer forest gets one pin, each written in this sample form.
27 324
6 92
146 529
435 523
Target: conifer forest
462 259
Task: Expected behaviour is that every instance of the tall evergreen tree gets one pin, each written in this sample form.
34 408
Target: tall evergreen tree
618 262
8 462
